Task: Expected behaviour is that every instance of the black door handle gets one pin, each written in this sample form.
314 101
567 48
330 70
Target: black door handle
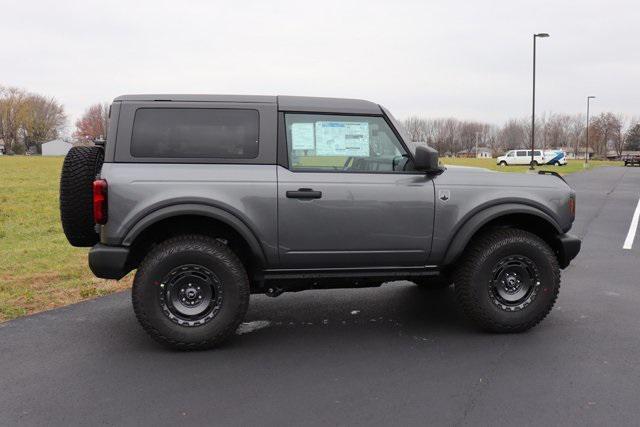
304 193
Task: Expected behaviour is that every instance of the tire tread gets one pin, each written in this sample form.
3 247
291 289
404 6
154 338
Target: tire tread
474 256
199 243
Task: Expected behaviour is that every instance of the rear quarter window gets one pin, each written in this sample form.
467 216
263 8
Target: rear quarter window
195 133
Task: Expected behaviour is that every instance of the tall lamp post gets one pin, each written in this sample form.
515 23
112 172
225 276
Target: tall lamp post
586 150
533 108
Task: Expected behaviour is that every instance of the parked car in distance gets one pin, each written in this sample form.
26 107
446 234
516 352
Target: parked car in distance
214 197
540 157
631 159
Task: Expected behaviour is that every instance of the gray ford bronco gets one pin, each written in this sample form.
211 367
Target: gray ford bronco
211 198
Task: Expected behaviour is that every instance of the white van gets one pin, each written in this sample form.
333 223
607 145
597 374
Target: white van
540 157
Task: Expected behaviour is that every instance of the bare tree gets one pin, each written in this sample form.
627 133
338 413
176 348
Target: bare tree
27 120
43 121
450 135
93 124
12 113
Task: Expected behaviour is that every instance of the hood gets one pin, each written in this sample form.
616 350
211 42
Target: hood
472 176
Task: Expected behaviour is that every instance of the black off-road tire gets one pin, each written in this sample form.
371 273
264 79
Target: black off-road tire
190 251
80 168
474 277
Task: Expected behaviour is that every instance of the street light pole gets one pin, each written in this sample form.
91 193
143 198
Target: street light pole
533 103
586 150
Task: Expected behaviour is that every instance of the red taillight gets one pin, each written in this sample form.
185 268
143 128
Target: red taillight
100 201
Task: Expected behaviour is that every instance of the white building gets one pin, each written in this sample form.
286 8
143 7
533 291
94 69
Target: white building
484 153
57 147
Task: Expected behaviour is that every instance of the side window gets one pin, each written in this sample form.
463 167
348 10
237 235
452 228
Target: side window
195 132
319 142
537 153
510 154
521 153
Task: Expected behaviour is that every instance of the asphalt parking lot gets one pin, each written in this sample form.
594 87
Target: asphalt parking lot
391 355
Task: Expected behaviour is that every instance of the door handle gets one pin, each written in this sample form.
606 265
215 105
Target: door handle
304 193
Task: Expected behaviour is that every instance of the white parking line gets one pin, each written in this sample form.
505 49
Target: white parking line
633 227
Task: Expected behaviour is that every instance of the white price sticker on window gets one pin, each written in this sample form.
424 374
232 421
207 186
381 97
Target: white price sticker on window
342 139
302 136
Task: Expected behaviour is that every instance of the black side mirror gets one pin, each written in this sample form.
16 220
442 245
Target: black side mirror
426 159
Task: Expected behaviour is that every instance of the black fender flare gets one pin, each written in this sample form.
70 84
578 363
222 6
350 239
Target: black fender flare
479 219
201 210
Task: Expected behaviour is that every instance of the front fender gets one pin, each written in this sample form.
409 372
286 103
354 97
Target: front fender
464 233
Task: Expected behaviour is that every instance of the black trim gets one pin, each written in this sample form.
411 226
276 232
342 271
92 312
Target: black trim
420 271
569 247
554 173
282 152
109 262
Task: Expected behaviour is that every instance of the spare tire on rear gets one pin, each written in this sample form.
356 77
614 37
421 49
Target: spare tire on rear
80 168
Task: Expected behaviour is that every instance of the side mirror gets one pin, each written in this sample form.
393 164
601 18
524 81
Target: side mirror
426 159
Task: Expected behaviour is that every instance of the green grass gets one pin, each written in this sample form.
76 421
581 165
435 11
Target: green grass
571 167
39 270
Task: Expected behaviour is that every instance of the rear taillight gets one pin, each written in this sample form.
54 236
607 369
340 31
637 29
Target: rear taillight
572 206
100 201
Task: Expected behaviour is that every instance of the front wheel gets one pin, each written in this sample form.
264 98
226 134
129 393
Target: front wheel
534 163
503 163
191 292
508 280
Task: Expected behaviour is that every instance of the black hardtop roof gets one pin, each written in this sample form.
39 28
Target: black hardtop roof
285 103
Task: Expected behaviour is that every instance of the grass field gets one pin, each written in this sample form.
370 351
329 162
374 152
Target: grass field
571 167
39 270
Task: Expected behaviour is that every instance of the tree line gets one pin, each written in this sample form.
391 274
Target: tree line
607 132
28 119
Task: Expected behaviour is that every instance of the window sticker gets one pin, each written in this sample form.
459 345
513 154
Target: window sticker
302 136
342 139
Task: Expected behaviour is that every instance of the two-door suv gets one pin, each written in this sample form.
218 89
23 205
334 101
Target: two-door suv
212 198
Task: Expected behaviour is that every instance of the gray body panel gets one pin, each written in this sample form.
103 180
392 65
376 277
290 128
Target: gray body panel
247 192
361 220
474 191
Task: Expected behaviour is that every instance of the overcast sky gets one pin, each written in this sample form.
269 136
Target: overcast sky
469 59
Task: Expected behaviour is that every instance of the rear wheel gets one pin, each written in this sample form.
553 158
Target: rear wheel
191 292
508 280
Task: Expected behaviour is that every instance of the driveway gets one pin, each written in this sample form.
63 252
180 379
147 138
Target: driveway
395 355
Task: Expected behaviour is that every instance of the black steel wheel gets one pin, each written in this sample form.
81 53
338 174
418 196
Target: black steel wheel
191 295
507 280
191 292
514 283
